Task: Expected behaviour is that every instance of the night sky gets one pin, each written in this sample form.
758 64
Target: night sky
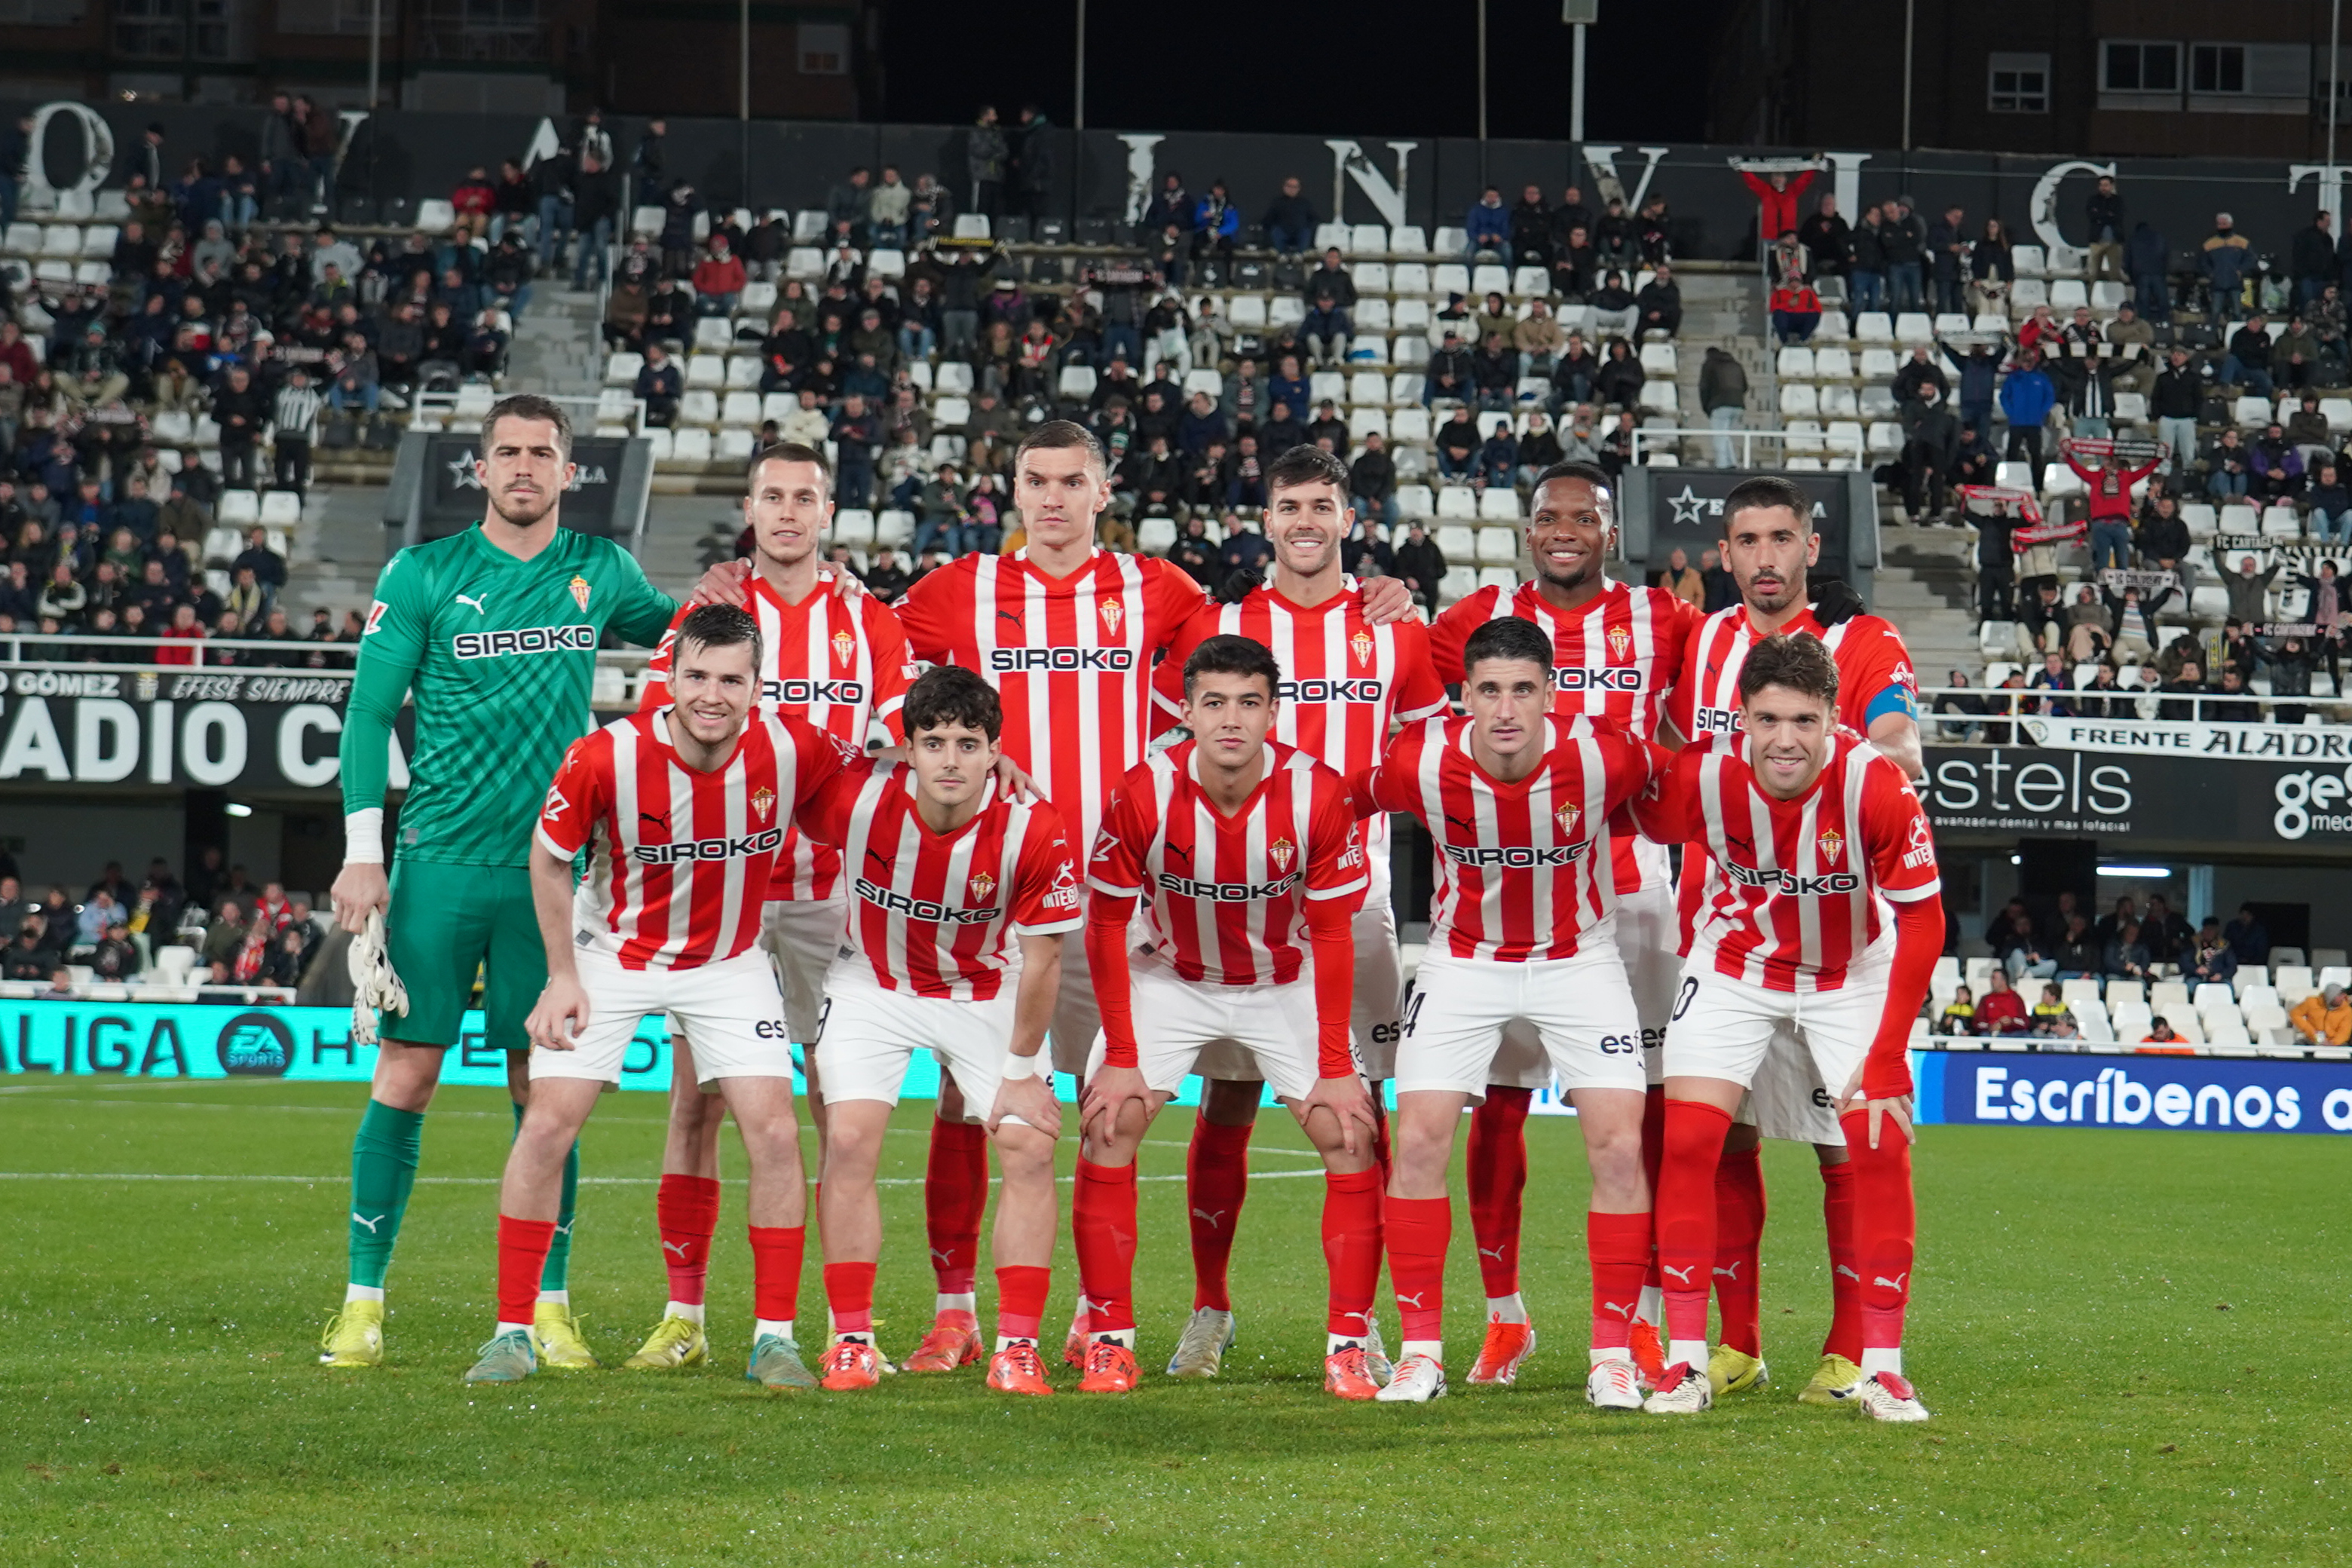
1218 65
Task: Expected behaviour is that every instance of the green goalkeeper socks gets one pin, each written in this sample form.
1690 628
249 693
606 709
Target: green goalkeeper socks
383 1169
556 1275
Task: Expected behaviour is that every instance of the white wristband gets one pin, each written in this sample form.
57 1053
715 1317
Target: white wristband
1019 1067
363 837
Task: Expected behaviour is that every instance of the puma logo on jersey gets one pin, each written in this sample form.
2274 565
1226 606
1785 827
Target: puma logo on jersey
1682 1274
658 818
470 599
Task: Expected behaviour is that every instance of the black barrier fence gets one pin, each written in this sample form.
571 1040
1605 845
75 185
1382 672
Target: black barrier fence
394 159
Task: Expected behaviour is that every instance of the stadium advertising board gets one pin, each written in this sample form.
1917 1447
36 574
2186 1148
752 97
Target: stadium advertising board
303 1044
1996 793
260 729
2193 1094
2325 744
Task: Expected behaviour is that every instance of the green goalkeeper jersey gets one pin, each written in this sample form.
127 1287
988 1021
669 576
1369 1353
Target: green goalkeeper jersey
500 655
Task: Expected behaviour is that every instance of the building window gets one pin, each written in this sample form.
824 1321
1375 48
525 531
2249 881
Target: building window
2018 84
40 13
2217 68
149 30
2131 67
347 17
504 31
825 49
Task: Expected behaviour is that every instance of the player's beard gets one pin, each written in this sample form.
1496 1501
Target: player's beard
1571 581
1790 592
526 512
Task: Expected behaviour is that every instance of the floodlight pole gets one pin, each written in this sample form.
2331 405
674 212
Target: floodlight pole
1576 93
375 50
1482 91
1909 18
1078 120
2334 57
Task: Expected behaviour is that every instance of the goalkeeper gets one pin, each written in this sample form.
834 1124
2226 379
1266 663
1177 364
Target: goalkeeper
495 632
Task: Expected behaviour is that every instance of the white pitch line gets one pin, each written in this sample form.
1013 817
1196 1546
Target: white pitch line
341 1180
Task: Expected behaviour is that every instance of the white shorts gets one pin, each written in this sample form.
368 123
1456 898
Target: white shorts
804 936
870 1035
1647 934
1580 1009
1781 1045
1269 1027
1371 1012
732 1008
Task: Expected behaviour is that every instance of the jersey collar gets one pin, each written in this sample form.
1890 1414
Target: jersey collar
1270 759
1803 623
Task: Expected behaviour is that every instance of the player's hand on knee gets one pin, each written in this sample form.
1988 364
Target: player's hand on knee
361 888
1032 1100
1350 1103
1387 599
1896 1108
559 1017
1103 1106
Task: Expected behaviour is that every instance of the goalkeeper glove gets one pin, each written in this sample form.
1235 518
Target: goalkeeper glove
374 984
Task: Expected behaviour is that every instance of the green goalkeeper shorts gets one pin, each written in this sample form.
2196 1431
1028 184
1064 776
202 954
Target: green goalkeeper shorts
446 923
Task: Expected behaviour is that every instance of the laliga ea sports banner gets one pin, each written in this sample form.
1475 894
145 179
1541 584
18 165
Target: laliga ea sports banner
2192 1094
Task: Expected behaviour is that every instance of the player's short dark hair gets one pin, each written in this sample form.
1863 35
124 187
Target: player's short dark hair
1514 638
529 406
950 694
1590 473
791 452
1226 654
717 625
1798 663
1765 492
1307 465
1062 435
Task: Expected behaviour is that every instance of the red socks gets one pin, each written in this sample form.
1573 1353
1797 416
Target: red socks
1216 1180
776 1253
523 1254
1653 1154
1619 1246
1418 1231
1102 1223
685 1208
955 1196
1021 1299
1884 1226
1693 1142
1497 1171
849 1292
1738 1237
1846 1267
1351 1249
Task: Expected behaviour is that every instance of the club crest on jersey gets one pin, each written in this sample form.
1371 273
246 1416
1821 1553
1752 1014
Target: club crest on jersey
1829 846
845 646
764 799
1280 852
1621 642
1569 816
982 884
579 590
1361 644
1111 612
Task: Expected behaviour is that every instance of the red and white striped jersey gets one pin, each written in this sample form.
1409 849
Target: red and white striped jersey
936 913
1344 682
1616 657
1517 863
680 860
1227 895
1071 658
839 664
1874 674
1797 891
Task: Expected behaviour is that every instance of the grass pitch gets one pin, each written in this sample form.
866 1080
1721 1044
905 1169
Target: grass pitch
2125 1338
